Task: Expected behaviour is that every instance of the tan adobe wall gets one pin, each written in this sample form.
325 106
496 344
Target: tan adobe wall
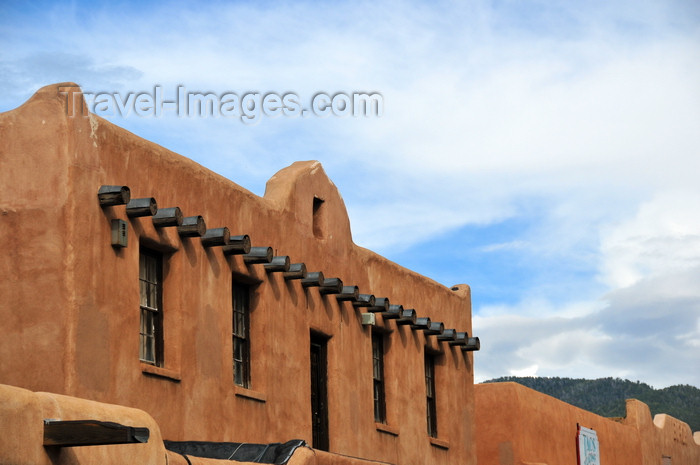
518 425
22 414
71 301
664 436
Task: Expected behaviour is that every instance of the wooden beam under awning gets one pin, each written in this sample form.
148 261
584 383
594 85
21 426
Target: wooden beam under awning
91 433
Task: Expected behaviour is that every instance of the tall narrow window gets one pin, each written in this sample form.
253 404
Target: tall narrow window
151 290
319 393
378 377
318 219
431 407
241 335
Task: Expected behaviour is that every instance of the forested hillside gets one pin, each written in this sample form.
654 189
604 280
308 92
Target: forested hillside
606 396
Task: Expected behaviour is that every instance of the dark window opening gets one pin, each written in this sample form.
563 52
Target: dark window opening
378 377
319 393
241 335
318 218
151 291
431 407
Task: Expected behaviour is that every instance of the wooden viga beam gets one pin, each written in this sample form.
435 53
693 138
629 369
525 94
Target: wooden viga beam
472 344
167 217
146 206
237 245
91 433
364 300
312 279
113 195
408 317
331 286
192 226
258 255
348 293
278 264
381 304
461 339
296 271
216 237
393 313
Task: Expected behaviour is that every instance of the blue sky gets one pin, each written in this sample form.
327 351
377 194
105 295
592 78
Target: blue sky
546 153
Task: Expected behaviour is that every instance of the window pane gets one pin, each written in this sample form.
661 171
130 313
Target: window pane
153 295
150 291
143 289
241 345
431 406
142 267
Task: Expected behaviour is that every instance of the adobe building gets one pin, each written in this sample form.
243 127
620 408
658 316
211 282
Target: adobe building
154 312
148 298
517 425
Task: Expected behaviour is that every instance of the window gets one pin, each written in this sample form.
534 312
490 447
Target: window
151 290
318 218
378 377
431 407
241 335
319 392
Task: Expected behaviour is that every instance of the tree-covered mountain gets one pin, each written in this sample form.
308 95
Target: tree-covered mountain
606 396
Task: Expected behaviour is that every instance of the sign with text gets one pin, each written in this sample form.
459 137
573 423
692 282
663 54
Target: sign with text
588 448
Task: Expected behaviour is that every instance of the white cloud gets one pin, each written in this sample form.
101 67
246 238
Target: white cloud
662 237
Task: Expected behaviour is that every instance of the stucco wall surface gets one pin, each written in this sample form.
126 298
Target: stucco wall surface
22 415
70 307
662 436
518 425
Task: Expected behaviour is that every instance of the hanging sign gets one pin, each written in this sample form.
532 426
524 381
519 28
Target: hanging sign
587 446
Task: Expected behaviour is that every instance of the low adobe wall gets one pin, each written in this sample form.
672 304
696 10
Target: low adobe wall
664 436
517 425
22 415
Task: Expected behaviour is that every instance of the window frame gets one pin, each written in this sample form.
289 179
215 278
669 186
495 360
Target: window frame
430 395
378 379
151 303
318 369
240 337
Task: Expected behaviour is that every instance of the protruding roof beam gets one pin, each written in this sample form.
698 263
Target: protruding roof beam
422 323
408 317
113 195
460 339
146 206
472 344
331 286
447 335
258 255
192 226
393 312
435 328
296 271
216 237
348 293
381 304
364 300
279 263
313 279
237 245
167 217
